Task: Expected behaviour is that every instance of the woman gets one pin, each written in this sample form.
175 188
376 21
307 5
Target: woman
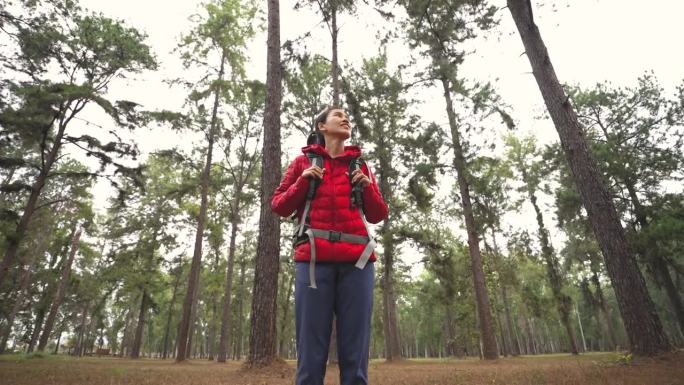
332 274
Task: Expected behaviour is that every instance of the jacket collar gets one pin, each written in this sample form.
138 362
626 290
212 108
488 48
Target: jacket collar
350 152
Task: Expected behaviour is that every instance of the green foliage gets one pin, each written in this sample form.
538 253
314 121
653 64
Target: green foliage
307 88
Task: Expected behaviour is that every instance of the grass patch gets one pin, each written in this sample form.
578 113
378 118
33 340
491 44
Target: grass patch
563 369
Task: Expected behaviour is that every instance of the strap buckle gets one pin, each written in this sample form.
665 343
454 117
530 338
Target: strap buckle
334 236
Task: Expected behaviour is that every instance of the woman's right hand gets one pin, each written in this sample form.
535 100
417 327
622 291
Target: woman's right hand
313 172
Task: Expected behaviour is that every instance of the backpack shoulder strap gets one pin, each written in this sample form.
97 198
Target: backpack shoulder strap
357 191
314 160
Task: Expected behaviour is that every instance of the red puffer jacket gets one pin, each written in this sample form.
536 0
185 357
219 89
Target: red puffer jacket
331 207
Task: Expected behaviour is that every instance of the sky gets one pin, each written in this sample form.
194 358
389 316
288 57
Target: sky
589 41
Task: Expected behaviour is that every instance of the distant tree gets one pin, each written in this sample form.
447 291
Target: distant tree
526 161
438 28
376 102
242 169
330 10
218 38
87 53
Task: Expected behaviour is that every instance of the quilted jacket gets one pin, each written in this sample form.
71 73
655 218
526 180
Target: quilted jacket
331 207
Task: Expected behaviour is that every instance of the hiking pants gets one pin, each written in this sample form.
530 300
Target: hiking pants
348 292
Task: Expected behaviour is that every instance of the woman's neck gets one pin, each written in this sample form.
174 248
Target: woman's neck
334 146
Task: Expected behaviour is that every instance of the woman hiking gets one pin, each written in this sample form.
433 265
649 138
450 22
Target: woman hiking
334 196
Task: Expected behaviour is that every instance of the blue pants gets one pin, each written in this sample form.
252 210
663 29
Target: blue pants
348 292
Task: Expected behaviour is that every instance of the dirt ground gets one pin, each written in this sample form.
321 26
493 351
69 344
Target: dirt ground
587 369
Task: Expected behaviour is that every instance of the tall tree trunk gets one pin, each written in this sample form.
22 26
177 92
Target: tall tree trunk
238 335
61 289
335 65
172 303
193 283
489 350
389 316
642 323
563 301
194 325
262 336
212 345
224 340
137 342
59 340
390 325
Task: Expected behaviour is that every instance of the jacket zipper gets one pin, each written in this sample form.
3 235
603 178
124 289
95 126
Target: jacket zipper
334 195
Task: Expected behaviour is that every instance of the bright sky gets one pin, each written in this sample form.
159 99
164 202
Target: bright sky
589 41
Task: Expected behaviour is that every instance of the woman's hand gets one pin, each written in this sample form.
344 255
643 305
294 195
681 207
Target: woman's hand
359 177
313 172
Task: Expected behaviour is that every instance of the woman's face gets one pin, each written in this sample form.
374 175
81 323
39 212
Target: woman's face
336 125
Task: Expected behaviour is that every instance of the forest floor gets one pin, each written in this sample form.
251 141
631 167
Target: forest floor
587 369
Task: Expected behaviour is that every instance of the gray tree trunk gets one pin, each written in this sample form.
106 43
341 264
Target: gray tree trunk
189 304
489 350
262 336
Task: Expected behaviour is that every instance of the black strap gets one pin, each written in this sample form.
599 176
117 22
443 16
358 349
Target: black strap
356 191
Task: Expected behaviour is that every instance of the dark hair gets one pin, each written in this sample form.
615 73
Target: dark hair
315 136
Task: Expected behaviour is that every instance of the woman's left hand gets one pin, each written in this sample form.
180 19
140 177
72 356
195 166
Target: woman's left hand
359 177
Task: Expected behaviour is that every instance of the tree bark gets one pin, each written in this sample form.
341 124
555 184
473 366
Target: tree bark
390 326
137 342
184 338
212 345
335 65
240 302
262 337
642 323
59 295
489 350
